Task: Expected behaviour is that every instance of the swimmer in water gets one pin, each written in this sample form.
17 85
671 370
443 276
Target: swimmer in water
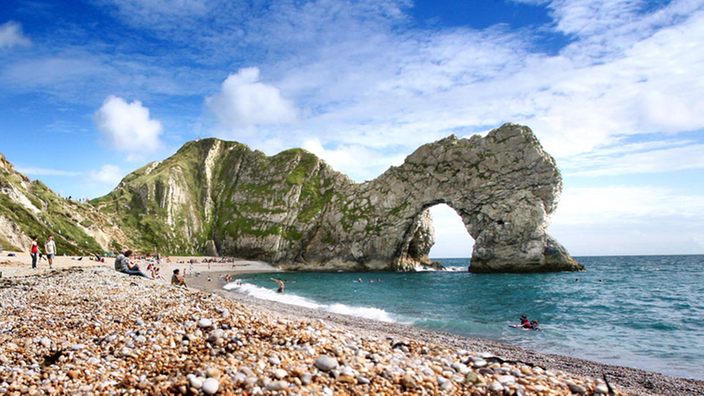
281 285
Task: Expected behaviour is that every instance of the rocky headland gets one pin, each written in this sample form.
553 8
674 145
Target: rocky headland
293 210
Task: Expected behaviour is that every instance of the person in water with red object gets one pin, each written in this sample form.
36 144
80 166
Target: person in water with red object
524 321
528 325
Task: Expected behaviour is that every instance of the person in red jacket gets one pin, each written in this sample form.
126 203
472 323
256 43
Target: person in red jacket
35 252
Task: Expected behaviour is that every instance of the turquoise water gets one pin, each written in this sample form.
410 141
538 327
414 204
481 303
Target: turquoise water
638 311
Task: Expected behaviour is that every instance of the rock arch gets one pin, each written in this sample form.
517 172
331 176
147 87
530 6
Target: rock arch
293 210
504 187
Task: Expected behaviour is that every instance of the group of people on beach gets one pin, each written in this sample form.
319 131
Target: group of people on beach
49 251
125 264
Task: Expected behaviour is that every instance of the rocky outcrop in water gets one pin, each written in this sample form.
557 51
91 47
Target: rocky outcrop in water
293 210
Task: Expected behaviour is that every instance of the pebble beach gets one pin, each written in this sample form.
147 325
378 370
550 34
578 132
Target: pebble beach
86 329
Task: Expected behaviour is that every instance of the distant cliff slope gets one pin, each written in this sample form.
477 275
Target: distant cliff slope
30 208
293 210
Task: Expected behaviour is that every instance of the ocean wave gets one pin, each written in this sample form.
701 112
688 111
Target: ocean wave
292 299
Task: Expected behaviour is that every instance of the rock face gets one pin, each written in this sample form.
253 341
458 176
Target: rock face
30 208
293 210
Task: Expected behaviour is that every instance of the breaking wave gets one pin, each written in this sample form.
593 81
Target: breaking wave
292 299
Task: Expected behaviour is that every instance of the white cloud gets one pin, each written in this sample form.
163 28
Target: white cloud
128 126
244 101
11 35
654 161
359 162
629 220
108 174
582 206
32 170
391 92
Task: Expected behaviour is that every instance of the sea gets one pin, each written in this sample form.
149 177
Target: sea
645 312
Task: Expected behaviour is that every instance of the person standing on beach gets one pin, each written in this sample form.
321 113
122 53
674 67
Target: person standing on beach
50 250
34 252
281 285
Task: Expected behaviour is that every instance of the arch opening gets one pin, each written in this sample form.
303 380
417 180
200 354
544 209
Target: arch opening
451 237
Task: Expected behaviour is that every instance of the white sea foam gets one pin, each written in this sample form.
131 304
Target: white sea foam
292 299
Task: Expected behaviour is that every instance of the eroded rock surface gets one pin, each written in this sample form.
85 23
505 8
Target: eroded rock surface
293 210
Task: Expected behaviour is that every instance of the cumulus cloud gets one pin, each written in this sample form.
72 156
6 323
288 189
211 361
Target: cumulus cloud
244 101
11 35
357 161
128 126
108 174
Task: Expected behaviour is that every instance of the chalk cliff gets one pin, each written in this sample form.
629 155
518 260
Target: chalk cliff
295 211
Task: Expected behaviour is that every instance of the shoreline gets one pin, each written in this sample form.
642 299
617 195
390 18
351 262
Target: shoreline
630 380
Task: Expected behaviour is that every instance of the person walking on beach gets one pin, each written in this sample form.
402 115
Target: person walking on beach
50 250
281 285
34 252
124 264
178 280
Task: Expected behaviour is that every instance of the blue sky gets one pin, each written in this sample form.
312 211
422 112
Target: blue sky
91 90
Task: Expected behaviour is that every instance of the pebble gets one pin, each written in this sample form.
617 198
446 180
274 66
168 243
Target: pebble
577 389
363 380
205 323
472 378
212 372
408 382
496 386
248 351
277 386
479 363
346 379
306 378
196 382
274 361
210 386
506 380
326 363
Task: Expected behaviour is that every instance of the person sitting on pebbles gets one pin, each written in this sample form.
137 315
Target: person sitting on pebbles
156 273
124 264
177 280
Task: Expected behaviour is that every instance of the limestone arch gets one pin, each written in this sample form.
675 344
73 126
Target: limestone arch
504 187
